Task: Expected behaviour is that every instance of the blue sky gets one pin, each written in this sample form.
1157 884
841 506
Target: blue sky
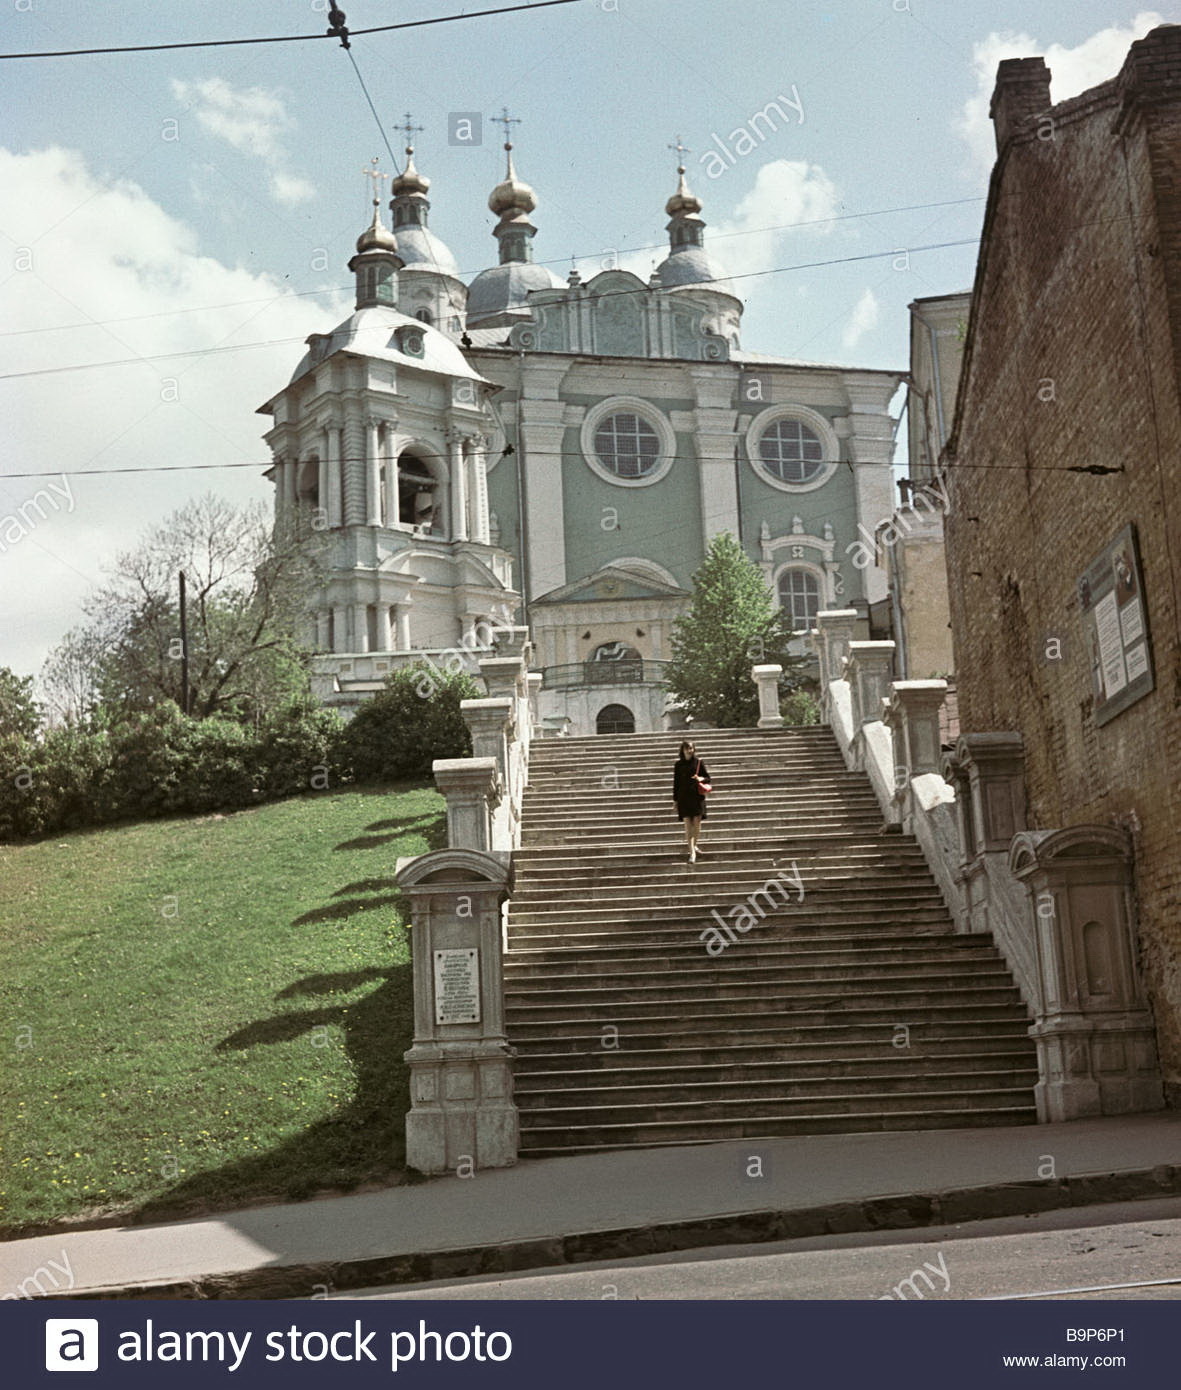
210 197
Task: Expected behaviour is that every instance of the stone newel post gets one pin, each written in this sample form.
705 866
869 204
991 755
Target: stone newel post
461 1085
913 718
767 680
1094 1033
472 789
834 631
869 670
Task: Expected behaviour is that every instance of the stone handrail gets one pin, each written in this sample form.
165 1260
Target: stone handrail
966 810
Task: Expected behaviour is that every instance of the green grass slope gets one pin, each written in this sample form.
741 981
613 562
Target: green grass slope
209 1011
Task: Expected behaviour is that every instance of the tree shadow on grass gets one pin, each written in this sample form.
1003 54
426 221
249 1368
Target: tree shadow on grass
361 1142
364 1140
433 828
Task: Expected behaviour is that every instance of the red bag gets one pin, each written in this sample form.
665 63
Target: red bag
703 786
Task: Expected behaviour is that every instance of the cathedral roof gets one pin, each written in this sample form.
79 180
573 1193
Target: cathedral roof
373 332
421 249
504 288
692 265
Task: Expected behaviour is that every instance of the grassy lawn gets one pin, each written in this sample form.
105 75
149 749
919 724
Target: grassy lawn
207 1011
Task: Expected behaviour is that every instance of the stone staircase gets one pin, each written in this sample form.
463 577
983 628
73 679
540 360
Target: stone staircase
855 1008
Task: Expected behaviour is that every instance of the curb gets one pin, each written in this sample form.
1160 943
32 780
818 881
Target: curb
871 1214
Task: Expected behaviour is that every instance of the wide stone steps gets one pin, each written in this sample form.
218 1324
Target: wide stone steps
540 1140
818 953
626 1022
773 1041
825 1056
549 1101
855 1007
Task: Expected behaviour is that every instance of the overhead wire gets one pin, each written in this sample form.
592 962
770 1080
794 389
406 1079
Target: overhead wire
604 294
284 38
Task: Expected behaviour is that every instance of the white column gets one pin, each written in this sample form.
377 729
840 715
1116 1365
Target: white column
360 627
322 630
340 628
372 475
322 481
286 489
459 528
335 478
391 478
385 632
403 626
479 492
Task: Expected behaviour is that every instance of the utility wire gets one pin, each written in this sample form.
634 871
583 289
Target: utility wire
1097 469
287 38
468 274
605 294
376 117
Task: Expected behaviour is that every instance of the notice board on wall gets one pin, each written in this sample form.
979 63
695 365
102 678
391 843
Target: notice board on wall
1115 626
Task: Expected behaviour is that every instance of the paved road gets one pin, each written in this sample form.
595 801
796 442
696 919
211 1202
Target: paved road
1132 1243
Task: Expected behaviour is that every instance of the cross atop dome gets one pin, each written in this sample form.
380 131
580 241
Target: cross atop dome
371 171
682 201
409 130
508 122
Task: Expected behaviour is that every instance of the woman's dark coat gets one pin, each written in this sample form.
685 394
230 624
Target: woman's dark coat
690 802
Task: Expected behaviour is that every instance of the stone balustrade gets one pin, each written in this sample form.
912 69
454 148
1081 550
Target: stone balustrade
1059 904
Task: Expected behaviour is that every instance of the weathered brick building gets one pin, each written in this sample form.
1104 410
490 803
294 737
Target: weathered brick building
1065 461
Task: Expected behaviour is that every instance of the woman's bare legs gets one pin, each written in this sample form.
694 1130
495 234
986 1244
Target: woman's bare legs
692 832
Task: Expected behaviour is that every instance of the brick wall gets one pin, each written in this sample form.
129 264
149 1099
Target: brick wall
1073 359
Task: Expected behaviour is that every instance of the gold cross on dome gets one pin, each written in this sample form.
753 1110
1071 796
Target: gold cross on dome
409 130
508 122
371 171
681 149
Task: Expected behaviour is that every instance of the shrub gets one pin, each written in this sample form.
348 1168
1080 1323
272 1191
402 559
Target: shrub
299 749
406 726
800 707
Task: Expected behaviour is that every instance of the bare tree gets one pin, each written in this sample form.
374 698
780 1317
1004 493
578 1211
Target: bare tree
249 586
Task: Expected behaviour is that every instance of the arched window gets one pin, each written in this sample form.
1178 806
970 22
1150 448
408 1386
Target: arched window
419 495
627 445
791 451
799 597
615 719
423 316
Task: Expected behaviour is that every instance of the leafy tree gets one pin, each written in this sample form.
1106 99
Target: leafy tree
732 624
409 724
20 717
249 584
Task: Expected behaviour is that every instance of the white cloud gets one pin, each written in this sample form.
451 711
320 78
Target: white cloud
251 120
786 192
100 250
1072 70
864 317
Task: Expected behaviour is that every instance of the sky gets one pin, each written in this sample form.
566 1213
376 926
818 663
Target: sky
185 217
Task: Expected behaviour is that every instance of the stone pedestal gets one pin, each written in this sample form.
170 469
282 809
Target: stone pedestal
767 680
1094 1033
995 767
533 685
461 1086
472 789
869 669
834 631
504 676
913 718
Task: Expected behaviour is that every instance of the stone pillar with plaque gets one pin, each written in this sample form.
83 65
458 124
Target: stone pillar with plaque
461 1087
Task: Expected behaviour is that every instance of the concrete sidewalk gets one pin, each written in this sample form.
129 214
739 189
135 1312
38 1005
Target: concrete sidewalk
614 1205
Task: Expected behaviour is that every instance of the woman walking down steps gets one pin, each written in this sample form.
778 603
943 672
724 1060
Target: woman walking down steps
690 785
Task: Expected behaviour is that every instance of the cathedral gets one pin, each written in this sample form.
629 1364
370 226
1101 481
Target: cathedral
557 454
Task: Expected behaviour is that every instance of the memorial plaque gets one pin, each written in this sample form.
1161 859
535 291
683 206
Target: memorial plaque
457 986
1111 598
